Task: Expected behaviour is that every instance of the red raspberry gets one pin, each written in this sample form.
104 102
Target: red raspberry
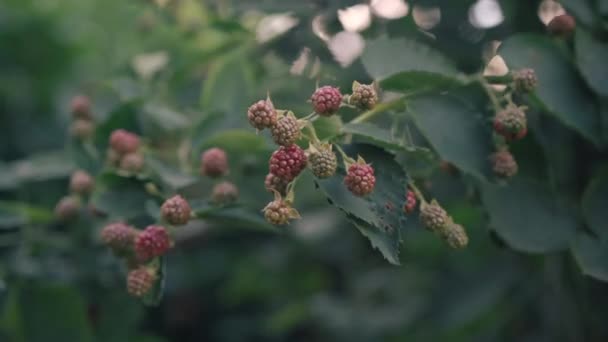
152 242
214 162
176 211
360 179
132 162
511 123
80 107
67 208
280 212
262 114
364 96
326 100
410 202
81 182
287 162
124 142
82 129
118 236
275 183
286 131
562 25
140 281
225 193
504 164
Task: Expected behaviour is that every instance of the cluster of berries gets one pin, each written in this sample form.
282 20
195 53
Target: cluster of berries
82 127
434 218
141 248
81 186
214 164
124 152
289 160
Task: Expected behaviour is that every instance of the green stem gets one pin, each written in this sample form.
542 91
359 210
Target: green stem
504 79
416 191
345 156
490 92
379 108
309 117
313 133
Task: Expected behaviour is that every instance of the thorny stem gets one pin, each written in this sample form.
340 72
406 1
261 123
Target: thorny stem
379 108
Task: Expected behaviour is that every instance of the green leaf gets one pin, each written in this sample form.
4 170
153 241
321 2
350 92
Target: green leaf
381 137
169 176
232 216
419 81
235 140
456 131
15 214
560 88
327 127
385 57
591 55
581 9
228 85
120 197
36 168
591 255
124 116
166 118
378 216
594 204
529 217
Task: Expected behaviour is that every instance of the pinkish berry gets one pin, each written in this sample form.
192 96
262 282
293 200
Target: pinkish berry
275 183
562 25
81 182
286 131
67 208
326 100
524 80
80 107
132 162
214 162
176 211
124 142
433 216
119 237
279 212
152 242
511 123
82 129
504 164
225 193
410 202
262 114
287 162
360 179
140 281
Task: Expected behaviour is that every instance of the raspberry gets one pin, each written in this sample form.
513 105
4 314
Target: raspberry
176 211
525 80
152 242
504 164
67 208
410 202
140 281
433 216
364 96
280 212
214 162
262 114
81 182
511 123
562 25
326 100
124 142
286 131
112 158
455 235
360 179
322 161
80 106
119 237
132 162
287 162
225 193
275 183
82 129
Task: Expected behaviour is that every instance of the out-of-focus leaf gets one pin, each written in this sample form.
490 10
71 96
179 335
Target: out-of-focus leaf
595 204
529 217
236 140
117 325
155 295
124 116
120 197
591 255
167 119
581 9
235 215
374 134
228 86
36 168
559 88
168 175
15 214
591 55
419 81
328 127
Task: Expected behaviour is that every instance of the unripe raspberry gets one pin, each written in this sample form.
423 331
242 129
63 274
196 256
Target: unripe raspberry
82 129
287 162
225 193
80 106
176 211
511 123
360 179
262 114
504 164
140 281
455 235
67 208
410 202
322 161
81 182
280 212
275 183
119 237
132 162
152 242
214 162
286 131
525 80
124 142
562 25
113 158
326 100
364 96
433 216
